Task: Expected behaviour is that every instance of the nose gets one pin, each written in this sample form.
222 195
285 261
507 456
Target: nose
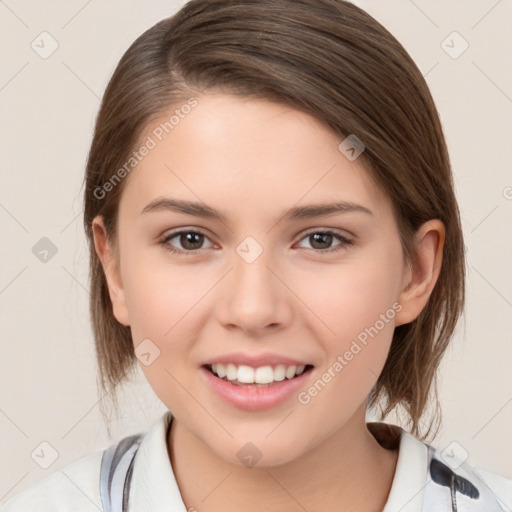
254 298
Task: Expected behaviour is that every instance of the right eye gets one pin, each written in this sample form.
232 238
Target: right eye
190 240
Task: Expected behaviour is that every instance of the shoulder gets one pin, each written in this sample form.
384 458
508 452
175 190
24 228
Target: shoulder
85 485
451 478
499 485
433 480
73 487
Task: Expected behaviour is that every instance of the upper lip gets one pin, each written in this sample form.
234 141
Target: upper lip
255 360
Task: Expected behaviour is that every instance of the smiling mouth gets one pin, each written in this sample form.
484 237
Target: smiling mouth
261 377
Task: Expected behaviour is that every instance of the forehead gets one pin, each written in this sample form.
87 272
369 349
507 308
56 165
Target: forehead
248 154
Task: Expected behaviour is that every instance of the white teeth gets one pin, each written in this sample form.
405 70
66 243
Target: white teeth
231 371
220 369
245 374
290 372
279 372
261 375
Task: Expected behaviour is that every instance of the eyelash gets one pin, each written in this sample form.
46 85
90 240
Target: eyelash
344 242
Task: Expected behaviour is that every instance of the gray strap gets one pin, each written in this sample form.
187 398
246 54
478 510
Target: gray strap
115 473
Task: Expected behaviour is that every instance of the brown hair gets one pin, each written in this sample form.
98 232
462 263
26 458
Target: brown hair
327 58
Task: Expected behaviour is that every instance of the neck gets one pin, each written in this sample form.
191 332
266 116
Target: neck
348 471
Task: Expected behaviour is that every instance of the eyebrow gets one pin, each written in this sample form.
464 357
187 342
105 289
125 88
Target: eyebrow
297 212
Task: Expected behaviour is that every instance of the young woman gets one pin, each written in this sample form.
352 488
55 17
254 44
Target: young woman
276 243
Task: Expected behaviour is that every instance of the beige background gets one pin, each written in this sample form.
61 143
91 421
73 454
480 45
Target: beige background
48 106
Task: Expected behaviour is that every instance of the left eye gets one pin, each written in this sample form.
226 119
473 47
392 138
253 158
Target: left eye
321 239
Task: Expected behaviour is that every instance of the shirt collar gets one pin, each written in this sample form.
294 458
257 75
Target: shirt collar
407 488
154 487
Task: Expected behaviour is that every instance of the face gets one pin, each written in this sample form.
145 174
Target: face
265 281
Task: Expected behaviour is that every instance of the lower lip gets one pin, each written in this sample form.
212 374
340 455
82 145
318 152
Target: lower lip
255 399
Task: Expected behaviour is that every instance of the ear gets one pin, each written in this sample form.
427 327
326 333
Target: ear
420 278
109 261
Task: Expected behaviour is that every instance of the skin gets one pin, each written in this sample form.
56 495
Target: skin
253 160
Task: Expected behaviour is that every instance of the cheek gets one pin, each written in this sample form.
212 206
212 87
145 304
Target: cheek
158 295
164 310
164 303
357 306
352 297
360 313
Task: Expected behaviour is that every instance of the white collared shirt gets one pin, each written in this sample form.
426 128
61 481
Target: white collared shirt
423 481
